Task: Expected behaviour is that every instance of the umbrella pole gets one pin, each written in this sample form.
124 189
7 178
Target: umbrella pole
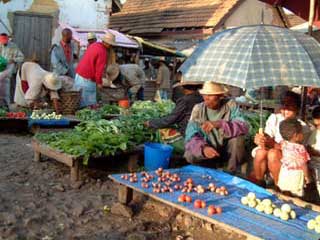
310 28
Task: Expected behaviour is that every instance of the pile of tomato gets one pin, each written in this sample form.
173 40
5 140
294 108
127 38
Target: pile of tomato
16 115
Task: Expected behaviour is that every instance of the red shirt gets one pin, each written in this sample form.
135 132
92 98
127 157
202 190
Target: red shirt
93 63
67 50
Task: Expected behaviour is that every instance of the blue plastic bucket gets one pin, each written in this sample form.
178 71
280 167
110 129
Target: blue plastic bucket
156 155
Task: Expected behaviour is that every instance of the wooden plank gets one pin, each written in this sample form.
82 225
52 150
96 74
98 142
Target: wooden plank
296 201
49 152
184 209
125 194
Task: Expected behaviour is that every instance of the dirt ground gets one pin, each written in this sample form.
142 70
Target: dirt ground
38 202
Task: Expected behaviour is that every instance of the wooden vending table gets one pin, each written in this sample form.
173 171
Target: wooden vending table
75 162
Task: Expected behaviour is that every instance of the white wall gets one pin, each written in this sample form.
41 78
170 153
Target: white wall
249 13
13 5
77 13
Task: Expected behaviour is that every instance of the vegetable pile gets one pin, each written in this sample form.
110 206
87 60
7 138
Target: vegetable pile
108 137
98 113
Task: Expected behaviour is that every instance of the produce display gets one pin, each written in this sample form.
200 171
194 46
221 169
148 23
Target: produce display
108 137
266 206
314 224
3 112
36 115
16 115
87 114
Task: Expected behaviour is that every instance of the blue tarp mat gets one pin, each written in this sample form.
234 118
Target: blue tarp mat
46 123
234 213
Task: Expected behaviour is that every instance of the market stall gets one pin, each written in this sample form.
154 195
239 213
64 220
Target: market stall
238 205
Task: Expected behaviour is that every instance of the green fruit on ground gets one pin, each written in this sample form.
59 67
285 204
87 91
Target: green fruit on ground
286 208
251 196
260 208
311 224
293 214
284 216
317 219
268 210
244 200
277 212
317 228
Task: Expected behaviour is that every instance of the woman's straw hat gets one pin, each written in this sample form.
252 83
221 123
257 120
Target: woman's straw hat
109 38
52 81
212 88
91 35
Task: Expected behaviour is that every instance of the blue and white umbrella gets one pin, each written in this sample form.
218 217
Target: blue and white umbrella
255 56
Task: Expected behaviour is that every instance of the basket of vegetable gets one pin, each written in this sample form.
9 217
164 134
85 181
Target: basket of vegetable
70 102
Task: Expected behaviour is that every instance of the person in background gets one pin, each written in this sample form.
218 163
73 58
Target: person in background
294 172
149 70
268 153
313 146
62 55
313 97
215 130
163 79
128 76
91 68
179 117
177 91
92 38
33 83
13 57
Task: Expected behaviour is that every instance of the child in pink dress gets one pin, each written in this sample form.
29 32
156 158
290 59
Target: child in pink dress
294 173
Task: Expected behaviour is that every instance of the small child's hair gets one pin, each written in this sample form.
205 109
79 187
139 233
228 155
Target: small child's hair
289 127
316 113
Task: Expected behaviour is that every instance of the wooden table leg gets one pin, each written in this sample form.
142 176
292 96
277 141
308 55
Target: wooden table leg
125 194
133 162
37 156
74 172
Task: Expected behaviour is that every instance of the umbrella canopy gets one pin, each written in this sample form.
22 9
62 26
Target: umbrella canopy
256 56
298 7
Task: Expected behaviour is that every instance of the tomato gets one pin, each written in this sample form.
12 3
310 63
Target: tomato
188 199
211 210
203 204
219 210
197 203
182 198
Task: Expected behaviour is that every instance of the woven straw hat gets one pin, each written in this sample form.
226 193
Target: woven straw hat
91 35
212 88
112 73
109 38
52 81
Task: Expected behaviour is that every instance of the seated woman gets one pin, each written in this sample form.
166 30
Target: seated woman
180 114
216 130
267 155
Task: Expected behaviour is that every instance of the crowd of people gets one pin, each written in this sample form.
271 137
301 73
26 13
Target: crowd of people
209 127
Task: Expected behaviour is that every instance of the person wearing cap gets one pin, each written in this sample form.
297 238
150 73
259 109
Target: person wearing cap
33 83
267 155
163 79
215 130
92 38
14 57
128 76
90 69
179 116
63 55
149 69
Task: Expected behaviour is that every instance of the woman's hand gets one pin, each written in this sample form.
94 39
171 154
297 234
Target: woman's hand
260 140
208 126
210 152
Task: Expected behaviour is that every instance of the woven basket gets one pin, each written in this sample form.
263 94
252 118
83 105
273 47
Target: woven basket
70 102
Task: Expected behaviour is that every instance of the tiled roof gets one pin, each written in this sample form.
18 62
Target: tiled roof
140 16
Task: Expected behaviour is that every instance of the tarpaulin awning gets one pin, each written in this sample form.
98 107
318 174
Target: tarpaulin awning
149 48
298 7
80 35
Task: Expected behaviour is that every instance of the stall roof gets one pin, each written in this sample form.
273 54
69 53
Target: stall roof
149 48
80 35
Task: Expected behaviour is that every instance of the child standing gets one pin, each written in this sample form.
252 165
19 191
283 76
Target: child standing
294 172
314 147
